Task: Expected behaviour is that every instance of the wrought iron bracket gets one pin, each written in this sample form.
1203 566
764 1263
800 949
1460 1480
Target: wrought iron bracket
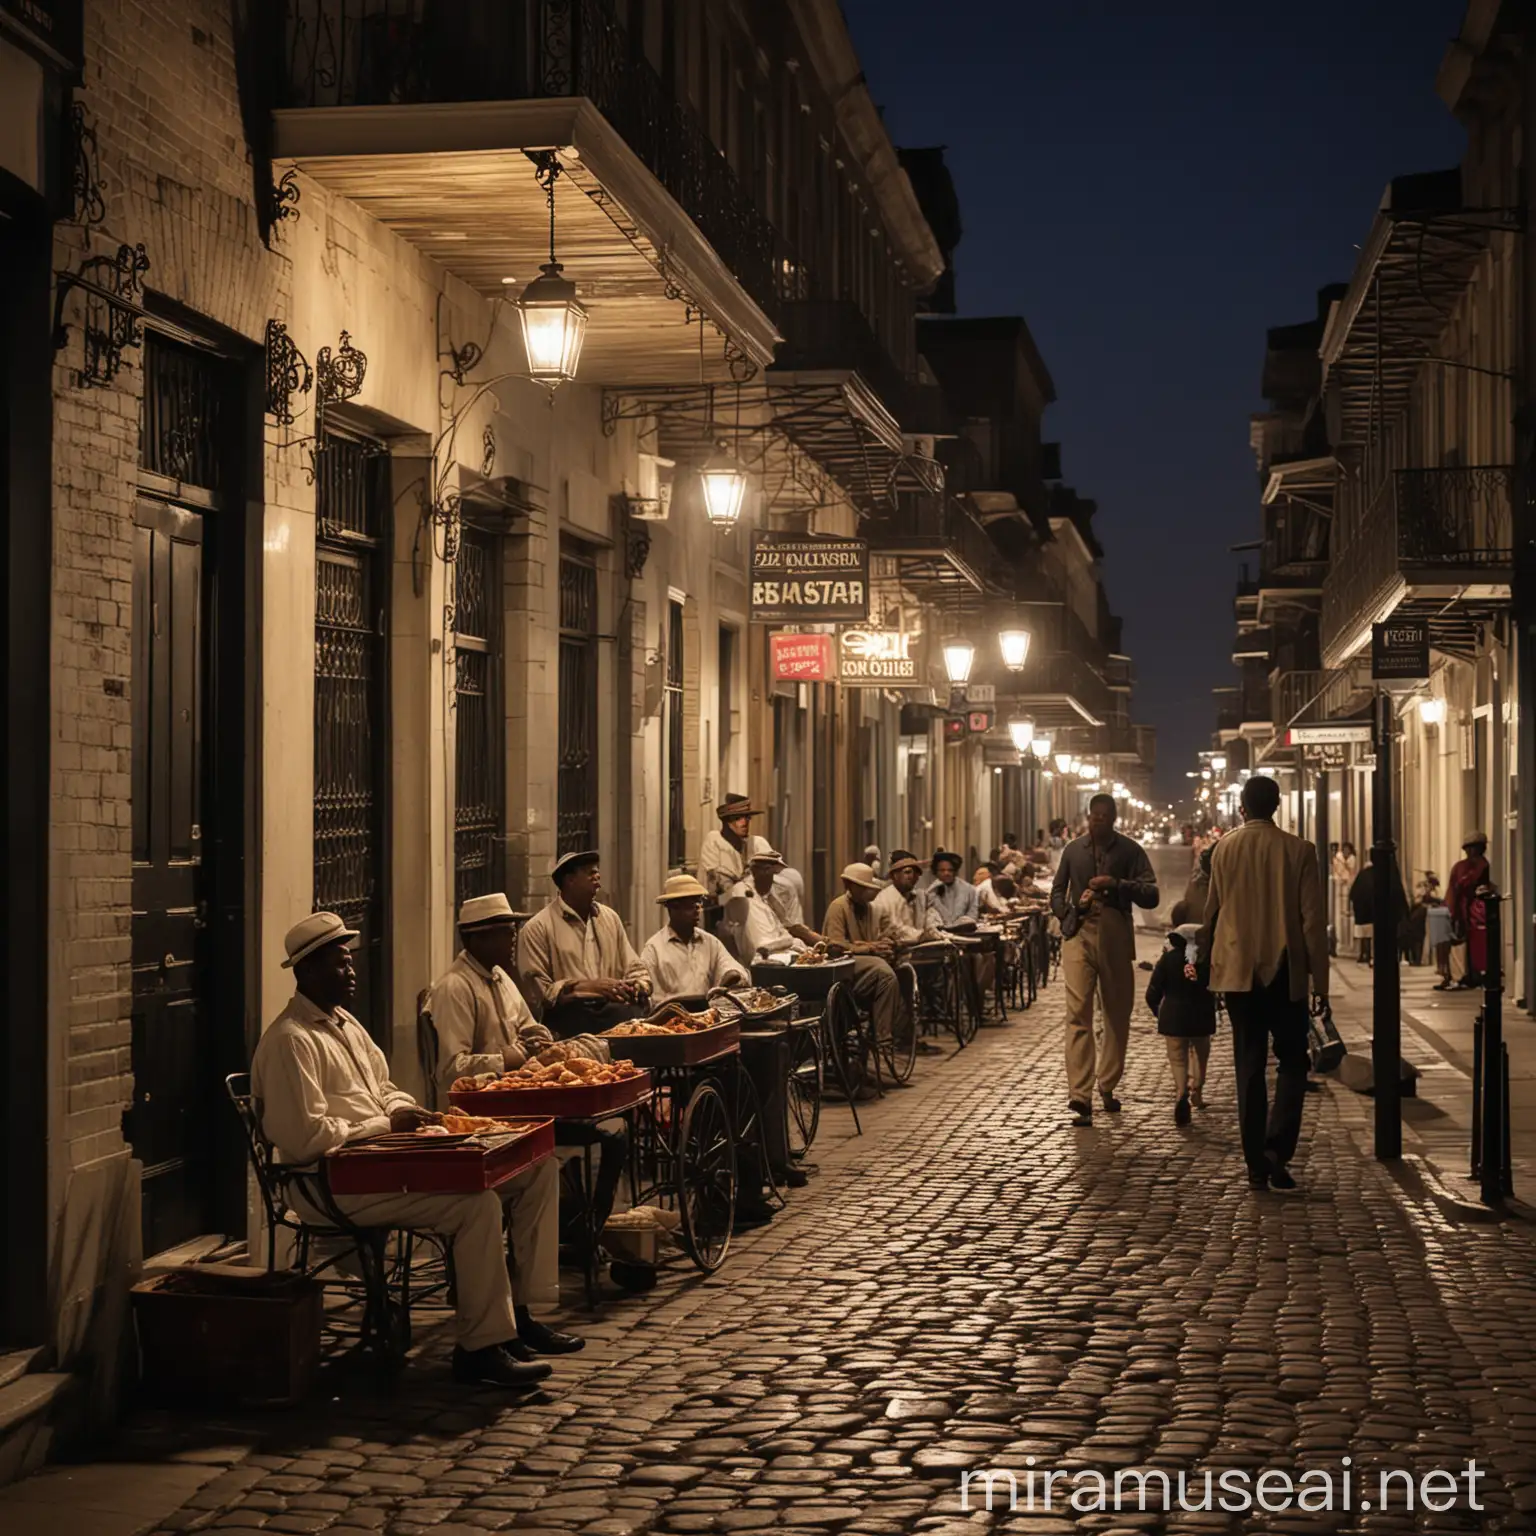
637 540
340 374
89 206
286 193
288 373
487 452
114 311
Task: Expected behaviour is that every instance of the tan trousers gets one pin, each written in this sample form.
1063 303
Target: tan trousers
1188 1060
877 989
1100 957
486 1265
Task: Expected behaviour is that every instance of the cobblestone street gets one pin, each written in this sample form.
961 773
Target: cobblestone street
969 1284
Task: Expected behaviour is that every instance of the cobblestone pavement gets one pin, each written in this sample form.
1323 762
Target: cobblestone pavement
969 1284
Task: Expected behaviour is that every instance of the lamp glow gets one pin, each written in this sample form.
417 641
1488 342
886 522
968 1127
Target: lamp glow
959 654
554 326
1064 761
724 483
1023 733
1041 747
1219 763
1015 648
1432 711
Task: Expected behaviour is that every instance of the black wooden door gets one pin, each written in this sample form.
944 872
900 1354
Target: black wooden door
169 1123
351 590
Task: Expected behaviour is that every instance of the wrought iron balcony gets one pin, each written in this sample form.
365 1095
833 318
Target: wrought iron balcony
348 53
1314 696
938 543
1427 532
834 334
1062 689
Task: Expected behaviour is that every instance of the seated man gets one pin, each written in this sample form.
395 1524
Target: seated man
855 926
483 1025
782 889
910 918
951 899
682 959
723 858
577 957
989 900
320 1083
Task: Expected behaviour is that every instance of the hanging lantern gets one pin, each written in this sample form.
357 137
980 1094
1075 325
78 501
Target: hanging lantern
1064 762
1219 763
1041 747
1015 647
553 320
1432 711
724 483
959 653
1023 733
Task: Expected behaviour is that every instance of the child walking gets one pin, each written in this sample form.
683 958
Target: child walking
1179 994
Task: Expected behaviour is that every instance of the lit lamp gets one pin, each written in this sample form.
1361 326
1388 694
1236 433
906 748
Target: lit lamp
1432 711
1015 648
1089 770
1041 747
553 320
724 482
958 656
1219 763
1064 761
1023 733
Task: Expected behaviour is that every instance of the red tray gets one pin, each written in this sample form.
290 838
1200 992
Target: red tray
680 1050
456 1167
578 1102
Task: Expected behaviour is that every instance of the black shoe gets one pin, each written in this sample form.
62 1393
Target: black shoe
1280 1176
1258 1179
518 1350
542 1339
1082 1114
493 1367
632 1277
1181 1110
1109 1101
749 1217
796 1178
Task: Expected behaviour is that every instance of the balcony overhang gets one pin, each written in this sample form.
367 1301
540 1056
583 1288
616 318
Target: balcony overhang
1054 711
1456 613
454 179
1310 481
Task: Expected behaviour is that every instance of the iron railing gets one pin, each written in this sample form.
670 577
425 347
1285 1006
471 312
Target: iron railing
1313 696
1295 550
184 425
920 520
835 333
479 753
343 53
1424 520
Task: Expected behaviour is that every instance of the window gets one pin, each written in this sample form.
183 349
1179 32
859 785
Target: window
677 832
576 816
479 757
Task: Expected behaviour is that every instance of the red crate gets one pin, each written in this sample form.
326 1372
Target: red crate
580 1101
679 1050
440 1167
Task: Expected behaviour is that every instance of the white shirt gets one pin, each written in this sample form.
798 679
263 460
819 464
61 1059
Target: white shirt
908 915
689 969
787 898
482 1022
762 930
320 1082
987 899
722 865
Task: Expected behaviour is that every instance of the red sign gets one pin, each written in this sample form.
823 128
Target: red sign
801 658
980 721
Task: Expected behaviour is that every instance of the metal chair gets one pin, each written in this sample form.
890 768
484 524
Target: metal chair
427 1048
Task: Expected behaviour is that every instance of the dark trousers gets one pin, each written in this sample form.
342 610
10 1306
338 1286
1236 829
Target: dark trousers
1258 1017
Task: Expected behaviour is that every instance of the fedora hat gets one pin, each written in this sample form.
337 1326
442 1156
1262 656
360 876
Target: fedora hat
314 932
767 856
734 806
682 888
862 874
1473 838
571 861
490 911
905 862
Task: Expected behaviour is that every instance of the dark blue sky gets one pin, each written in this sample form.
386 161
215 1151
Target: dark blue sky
1152 186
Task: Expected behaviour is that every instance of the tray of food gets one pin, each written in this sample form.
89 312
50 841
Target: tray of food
463 1155
758 1007
674 1037
566 1087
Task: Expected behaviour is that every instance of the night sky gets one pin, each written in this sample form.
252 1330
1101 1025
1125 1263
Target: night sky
1152 186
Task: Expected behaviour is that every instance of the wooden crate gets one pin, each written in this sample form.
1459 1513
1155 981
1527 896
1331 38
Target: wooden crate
427 1165
582 1101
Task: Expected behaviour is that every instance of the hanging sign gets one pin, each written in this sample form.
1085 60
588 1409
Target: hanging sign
53 27
1328 735
803 578
1400 651
801 658
981 693
876 658
979 721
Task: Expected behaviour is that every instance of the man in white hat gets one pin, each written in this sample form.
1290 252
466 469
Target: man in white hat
860 928
577 957
321 1083
768 906
683 960
724 854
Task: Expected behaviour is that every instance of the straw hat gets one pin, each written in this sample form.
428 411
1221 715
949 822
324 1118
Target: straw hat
312 933
862 874
767 856
492 911
734 806
571 861
681 888
906 863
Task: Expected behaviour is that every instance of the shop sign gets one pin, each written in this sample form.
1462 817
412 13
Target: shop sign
876 658
800 578
954 729
1400 651
981 693
979 721
53 27
1328 735
801 658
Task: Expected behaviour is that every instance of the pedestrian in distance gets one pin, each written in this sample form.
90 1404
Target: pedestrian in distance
1266 932
1468 914
1101 877
1179 993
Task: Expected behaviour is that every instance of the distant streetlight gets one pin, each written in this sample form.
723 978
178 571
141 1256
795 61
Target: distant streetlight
959 654
1041 747
1219 763
1023 733
1432 711
1015 647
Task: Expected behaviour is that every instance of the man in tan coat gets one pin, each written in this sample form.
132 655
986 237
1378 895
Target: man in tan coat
1266 932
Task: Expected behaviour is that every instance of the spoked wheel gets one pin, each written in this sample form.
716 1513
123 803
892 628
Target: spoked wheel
752 1160
967 1014
803 1099
898 1054
846 1039
706 1177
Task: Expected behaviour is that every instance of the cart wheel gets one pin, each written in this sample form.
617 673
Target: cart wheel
706 1177
846 1040
898 1055
967 1013
752 1161
803 1106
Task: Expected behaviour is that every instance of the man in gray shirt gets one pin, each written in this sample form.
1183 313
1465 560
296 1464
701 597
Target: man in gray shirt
1102 875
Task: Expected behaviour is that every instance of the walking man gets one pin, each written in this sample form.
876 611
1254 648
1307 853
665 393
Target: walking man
1266 931
1102 875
